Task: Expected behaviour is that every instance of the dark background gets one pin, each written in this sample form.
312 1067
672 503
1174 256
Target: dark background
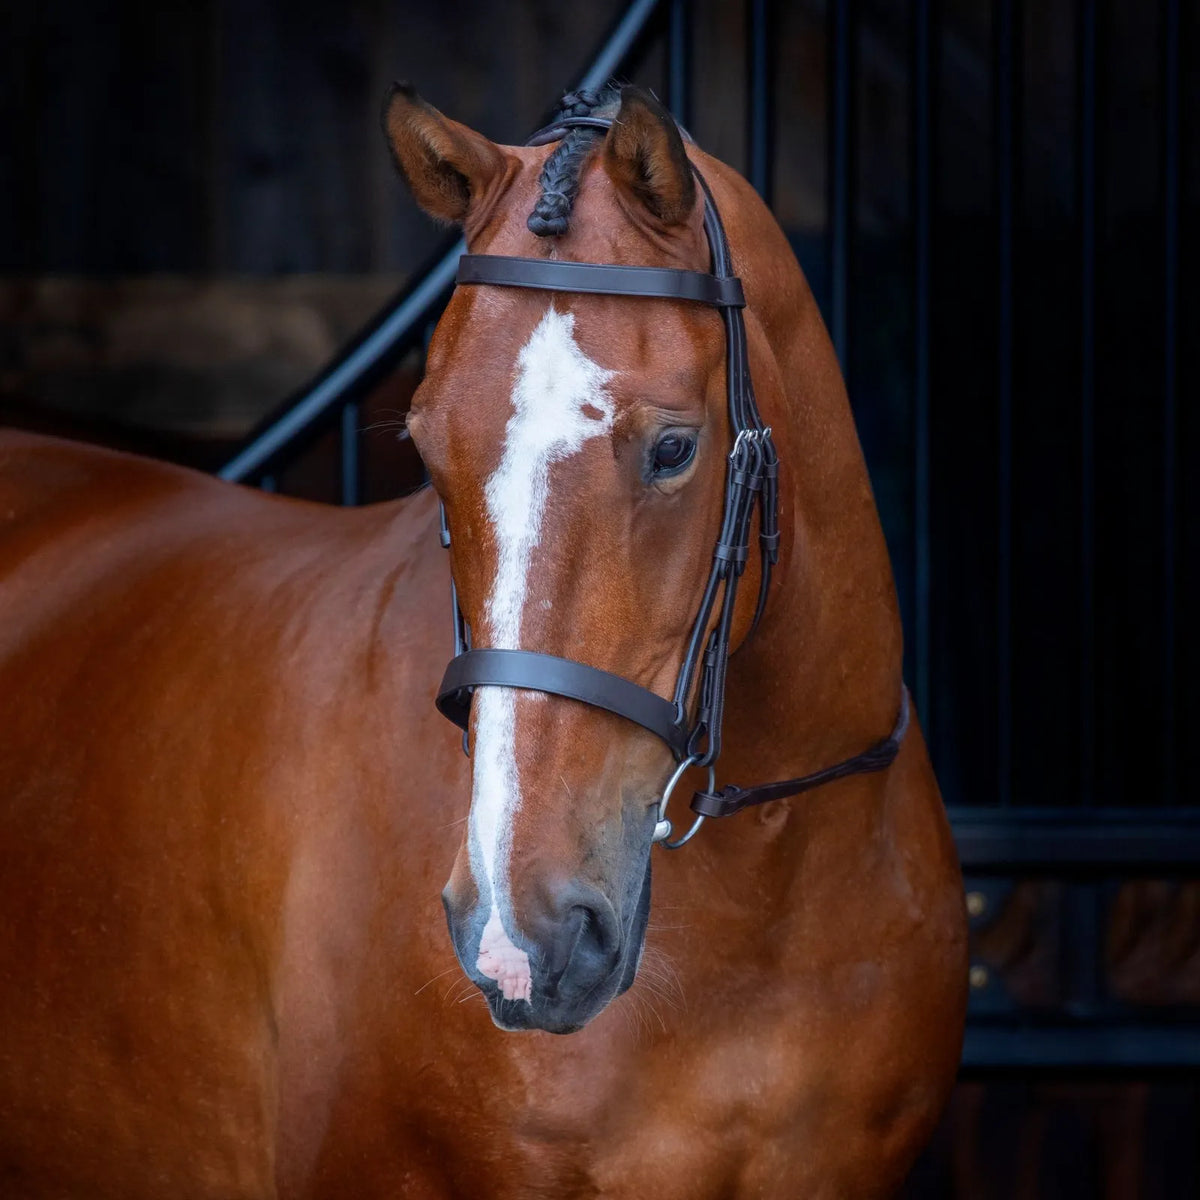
196 211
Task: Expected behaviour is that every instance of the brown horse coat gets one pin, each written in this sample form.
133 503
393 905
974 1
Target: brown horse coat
227 809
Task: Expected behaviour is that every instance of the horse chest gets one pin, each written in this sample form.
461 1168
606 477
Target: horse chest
615 1113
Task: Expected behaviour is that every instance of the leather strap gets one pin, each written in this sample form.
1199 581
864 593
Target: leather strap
538 672
666 283
879 757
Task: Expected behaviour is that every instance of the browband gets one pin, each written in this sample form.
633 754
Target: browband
666 283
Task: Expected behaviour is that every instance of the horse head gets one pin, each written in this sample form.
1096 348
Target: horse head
578 444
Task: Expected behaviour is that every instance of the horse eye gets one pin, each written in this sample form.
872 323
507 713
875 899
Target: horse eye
673 452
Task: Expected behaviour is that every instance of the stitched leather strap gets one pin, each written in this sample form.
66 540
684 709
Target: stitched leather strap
666 283
731 799
537 672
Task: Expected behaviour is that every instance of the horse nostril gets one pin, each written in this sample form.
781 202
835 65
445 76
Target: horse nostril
583 943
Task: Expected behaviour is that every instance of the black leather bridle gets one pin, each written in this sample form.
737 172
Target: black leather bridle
750 481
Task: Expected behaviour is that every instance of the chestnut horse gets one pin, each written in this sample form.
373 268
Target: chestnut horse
228 805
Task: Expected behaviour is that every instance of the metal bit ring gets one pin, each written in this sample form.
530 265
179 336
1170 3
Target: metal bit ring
663 828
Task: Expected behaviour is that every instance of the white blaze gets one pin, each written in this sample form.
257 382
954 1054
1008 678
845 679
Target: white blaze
559 400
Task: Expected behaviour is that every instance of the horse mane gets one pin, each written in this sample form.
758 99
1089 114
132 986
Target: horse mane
559 178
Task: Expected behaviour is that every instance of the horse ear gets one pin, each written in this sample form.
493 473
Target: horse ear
445 164
644 154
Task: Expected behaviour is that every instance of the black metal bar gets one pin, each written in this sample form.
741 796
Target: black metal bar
760 76
1082 950
1171 53
922 190
679 61
348 373
841 173
349 446
620 44
1092 839
1004 103
267 483
1087 390
426 338
999 1048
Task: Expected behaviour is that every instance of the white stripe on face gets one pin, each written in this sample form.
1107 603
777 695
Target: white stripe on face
556 382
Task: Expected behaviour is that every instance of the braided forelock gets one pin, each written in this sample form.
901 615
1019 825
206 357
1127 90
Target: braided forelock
559 178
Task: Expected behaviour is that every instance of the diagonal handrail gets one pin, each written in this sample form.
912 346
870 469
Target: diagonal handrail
402 323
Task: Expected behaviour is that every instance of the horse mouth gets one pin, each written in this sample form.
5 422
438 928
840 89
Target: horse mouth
524 1016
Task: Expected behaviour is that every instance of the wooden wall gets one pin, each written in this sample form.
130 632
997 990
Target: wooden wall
196 204
1074 1139
241 136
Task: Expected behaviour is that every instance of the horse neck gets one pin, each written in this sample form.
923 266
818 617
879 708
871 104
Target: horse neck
820 679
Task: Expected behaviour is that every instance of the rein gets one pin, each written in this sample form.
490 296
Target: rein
750 482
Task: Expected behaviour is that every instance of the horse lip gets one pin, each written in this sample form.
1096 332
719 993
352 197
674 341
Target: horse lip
527 1019
507 1025
519 1016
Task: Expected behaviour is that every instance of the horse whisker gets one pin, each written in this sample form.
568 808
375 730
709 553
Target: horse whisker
454 986
435 978
465 991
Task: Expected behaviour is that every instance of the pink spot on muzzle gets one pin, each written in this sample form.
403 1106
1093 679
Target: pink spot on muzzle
500 960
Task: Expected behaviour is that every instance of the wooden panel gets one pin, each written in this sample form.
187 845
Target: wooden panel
244 138
1129 1140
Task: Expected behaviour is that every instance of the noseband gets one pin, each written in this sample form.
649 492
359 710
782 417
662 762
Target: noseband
750 481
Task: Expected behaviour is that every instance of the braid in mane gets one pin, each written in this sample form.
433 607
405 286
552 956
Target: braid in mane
559 178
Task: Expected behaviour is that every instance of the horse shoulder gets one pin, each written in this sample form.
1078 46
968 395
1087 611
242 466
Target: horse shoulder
168 663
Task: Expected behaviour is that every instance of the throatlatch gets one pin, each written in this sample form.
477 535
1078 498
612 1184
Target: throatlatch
750 484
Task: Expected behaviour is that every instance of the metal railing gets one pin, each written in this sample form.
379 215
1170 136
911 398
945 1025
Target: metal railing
1086 845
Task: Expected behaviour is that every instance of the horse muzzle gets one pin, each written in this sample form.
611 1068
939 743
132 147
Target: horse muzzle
574 956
